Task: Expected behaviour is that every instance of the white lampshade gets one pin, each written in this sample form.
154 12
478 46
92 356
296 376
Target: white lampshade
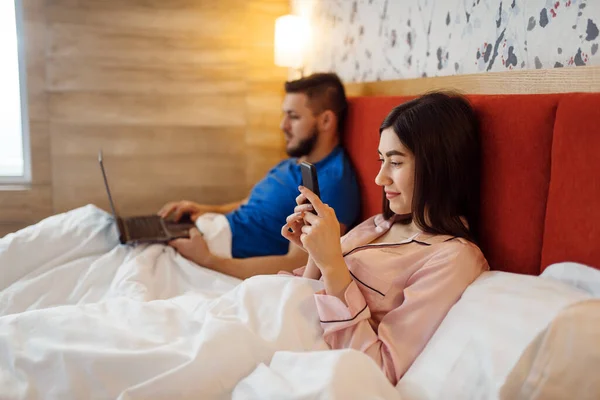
291 38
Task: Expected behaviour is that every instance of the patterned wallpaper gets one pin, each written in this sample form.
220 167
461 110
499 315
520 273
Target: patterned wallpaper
368 40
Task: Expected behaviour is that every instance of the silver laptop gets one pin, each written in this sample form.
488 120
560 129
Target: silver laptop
145 228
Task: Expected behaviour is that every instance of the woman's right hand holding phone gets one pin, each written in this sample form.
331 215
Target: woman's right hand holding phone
316 233
292 230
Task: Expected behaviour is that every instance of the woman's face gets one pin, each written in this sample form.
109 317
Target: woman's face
397 172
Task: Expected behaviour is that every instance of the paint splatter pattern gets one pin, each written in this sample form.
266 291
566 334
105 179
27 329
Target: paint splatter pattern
368 40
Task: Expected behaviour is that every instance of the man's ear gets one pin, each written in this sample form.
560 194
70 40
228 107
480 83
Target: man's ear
328 120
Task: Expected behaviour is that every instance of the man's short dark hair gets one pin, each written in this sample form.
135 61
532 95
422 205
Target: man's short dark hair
325 91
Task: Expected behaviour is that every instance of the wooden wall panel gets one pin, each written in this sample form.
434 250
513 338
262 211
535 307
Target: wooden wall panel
188 72
263 103
141 109
142 184
9 227
181 95
557 80
65 74
26 205
139 46
131 141
41 167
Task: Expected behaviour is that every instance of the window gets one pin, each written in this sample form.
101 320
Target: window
14 137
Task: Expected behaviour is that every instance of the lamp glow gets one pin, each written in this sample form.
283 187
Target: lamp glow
291 38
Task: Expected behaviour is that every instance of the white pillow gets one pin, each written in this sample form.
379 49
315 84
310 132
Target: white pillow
562 362
484 334
575 274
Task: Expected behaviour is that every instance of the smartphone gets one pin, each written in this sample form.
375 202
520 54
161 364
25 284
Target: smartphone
309 178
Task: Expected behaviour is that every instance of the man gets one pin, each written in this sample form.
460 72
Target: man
314 110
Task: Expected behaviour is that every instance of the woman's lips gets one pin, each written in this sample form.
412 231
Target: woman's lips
391 195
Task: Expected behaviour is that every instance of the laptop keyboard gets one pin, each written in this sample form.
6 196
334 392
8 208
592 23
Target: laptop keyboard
145 227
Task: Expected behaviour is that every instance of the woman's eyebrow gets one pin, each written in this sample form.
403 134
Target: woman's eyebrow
393 153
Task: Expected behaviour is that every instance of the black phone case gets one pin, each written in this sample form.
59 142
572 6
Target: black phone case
309 177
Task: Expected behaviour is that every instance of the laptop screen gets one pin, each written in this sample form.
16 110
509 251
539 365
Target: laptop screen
112 205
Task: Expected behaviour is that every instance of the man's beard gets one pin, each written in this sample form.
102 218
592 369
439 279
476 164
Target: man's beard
305 147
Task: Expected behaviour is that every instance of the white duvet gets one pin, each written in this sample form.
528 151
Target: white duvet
83 317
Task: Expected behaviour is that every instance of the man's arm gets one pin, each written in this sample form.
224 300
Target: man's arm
229 207
177 209
243 268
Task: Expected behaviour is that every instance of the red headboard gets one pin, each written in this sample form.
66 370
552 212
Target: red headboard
540 175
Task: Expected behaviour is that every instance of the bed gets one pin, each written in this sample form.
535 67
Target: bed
83 317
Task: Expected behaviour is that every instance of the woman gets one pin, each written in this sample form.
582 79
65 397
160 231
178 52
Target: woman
392 279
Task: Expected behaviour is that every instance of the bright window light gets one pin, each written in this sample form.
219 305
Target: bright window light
13 159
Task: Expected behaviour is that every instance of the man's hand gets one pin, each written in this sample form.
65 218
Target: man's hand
178 208
193 248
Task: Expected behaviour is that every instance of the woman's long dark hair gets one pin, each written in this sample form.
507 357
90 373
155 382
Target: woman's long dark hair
442 131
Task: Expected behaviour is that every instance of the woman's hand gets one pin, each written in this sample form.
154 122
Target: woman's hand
320 233
292 230
321 238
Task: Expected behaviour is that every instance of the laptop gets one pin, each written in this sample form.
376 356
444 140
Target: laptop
146 228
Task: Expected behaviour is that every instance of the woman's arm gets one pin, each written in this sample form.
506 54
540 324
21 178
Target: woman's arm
311 271
404 331
293 231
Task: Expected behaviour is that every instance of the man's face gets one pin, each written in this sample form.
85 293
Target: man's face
299 125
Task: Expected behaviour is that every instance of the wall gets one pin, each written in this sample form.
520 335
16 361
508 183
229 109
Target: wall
371 40
181 95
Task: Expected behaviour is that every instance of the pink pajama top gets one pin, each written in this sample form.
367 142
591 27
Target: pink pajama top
399 295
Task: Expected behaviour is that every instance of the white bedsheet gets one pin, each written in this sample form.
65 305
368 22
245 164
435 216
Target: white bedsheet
84 317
